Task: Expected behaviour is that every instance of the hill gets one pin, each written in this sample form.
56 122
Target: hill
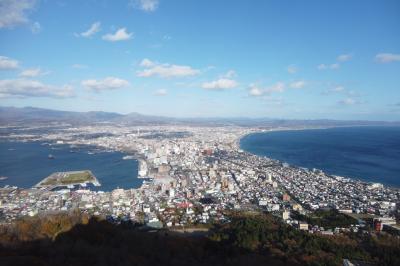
256 239
32 115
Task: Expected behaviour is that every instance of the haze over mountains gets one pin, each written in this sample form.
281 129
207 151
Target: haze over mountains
31 115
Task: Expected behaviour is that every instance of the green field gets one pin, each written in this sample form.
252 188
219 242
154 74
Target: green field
70 178
77 178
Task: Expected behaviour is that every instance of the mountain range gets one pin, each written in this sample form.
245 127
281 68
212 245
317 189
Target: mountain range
31 115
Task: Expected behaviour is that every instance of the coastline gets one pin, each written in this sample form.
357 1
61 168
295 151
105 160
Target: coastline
86 150
356 179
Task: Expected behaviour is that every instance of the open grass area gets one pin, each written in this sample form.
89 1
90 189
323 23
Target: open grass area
68 178
77 178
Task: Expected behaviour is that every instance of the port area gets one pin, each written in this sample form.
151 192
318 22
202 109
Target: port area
69 179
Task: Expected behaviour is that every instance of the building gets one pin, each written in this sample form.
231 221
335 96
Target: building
378 225
285 215
286 197
380 222
297 207
303 226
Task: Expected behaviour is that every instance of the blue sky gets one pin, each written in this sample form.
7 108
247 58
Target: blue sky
278 59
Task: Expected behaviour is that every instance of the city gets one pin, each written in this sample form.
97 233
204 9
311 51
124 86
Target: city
193 177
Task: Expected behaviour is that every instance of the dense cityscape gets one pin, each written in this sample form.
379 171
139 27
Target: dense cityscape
193 175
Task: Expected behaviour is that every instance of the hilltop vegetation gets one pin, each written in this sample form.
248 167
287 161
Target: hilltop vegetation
74 239
326 218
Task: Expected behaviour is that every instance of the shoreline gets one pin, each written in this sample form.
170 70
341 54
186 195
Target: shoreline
239 147
89 149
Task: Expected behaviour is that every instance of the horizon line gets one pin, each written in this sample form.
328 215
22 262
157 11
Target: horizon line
206 117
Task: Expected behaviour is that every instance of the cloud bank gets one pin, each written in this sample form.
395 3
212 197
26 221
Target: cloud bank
220 84
387 58
15 12
7 63
109 83
22 88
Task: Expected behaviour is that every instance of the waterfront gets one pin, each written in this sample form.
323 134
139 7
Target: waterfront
367 153
27 163
190 171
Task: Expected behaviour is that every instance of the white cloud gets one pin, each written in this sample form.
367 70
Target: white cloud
120 35
387 57
254 90
166 37
14 12
145 5
341 90
94 28
33 72
79 66
109 83
337 89
229 74
334 66
22 88
331 66
273 101
348 101
344 57
297 84
7 63
165 70
277 87
220 84
334 90
292 69
340 58
160 92
353 93
146 63
36 27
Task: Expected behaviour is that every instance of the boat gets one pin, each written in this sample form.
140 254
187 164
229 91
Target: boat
3 178
51 156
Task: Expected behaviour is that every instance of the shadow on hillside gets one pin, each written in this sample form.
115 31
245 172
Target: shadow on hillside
103 243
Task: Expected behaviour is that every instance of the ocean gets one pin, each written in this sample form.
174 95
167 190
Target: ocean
370 154
26 163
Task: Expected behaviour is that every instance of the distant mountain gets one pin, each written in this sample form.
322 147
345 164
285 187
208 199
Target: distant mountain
136 118
15 115
32 114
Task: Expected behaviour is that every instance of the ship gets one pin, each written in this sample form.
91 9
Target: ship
51 156
3 178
